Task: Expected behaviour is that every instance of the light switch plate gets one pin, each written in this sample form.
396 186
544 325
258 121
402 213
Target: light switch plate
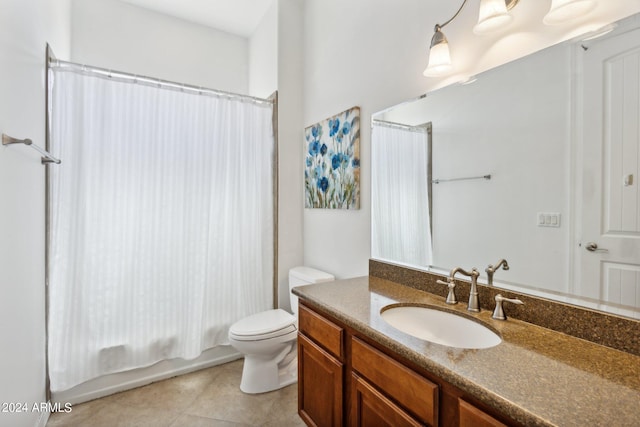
548 219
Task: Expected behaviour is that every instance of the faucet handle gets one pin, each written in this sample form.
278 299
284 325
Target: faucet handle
498 312
451 296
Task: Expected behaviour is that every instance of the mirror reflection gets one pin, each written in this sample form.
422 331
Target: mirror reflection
535 162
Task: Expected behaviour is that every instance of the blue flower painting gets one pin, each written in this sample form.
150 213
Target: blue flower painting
332 162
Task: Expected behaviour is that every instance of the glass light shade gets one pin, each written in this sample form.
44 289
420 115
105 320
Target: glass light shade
566 10
493 15
439 60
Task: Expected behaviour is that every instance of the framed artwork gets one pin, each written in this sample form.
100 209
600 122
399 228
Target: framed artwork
332 162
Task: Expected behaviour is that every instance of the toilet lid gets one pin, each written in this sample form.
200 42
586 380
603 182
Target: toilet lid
264 323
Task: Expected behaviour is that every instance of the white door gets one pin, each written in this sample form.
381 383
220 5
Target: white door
609 250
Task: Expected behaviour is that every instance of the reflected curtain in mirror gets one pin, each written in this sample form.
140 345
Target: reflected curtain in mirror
400 205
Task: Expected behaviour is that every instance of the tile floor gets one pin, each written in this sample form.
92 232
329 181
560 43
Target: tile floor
210 397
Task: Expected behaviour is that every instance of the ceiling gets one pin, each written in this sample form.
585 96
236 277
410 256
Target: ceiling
240 17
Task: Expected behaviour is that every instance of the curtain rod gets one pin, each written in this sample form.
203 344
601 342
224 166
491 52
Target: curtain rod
419 128
152 81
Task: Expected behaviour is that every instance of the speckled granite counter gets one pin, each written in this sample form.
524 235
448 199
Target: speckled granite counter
536 376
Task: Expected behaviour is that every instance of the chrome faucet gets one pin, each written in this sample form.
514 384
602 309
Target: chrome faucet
474 301
491 269
498 312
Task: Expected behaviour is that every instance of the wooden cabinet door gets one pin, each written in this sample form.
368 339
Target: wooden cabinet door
320 378
470 416
372 408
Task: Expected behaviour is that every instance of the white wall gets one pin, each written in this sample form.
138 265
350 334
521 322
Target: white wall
373 56
290 135
25 28
119 36
263 55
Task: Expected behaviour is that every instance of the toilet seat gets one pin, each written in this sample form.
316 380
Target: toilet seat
264 325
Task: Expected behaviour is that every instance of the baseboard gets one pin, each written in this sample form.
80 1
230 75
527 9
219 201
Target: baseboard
114 383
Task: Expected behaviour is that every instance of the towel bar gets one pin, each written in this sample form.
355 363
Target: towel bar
47 158
438 181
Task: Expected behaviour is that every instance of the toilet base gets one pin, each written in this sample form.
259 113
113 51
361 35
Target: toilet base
261 375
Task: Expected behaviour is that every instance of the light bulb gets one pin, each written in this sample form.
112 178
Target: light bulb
439 56
493 15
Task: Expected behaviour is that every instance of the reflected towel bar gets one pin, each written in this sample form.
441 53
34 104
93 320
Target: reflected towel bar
47 158
438 181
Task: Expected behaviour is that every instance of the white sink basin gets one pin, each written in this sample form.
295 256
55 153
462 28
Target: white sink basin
440 327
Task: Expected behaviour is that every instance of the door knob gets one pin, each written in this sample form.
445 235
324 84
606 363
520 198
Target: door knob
593 247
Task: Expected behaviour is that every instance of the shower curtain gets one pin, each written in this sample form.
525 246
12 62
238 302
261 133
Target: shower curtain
400 199
161 222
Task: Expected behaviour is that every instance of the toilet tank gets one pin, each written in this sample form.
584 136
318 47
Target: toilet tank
299 276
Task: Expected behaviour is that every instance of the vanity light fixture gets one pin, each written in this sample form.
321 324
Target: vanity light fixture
439 55
566 10
493 15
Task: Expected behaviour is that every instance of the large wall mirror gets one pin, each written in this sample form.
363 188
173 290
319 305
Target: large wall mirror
536 162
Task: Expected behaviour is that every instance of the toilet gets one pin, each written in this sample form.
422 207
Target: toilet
268 339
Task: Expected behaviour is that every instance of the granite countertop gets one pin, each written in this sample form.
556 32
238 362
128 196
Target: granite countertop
536 376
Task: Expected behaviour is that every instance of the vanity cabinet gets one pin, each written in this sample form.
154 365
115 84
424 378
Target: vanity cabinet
345 379
320 370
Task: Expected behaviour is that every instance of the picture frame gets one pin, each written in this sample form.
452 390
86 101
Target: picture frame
332 162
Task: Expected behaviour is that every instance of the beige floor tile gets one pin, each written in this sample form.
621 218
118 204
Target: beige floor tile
79 415
287 401
287 421
193 421
115 415
174 394
220 403
210 397
285 409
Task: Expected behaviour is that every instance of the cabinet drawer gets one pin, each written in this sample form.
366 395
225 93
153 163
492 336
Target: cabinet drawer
321 330
470 416
415 393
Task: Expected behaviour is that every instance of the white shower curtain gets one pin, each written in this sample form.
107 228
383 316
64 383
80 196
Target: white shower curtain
400 199
161 223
